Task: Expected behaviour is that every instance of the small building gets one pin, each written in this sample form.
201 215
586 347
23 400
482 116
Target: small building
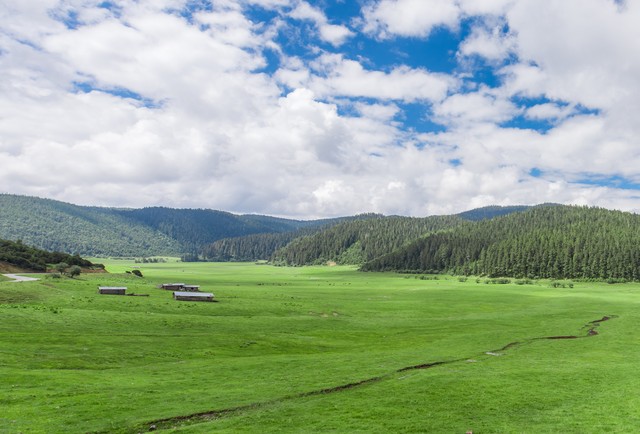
112 290
193 296
191 288
172 286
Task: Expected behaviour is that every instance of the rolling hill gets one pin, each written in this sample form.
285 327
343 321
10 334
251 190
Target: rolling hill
18 257
211 234
541 242
99 231
362 240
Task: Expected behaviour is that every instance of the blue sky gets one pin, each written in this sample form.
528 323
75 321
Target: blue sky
321 108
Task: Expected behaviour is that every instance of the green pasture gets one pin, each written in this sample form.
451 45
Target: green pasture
274 353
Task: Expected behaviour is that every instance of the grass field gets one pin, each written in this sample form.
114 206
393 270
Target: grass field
316 349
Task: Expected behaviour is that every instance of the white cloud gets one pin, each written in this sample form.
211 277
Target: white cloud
332 33
323 135
485 7
335 34
378 111
415 18
549 111
583 47
337 76
490 43
484 105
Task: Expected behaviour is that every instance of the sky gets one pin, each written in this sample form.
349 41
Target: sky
324 108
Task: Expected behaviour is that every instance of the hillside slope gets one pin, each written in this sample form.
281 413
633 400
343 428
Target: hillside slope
262 246
16 256
98 231
194 228
358 241
89 231
542 242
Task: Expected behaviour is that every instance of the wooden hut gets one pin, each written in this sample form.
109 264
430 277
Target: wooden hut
172 286
193 296
191 288
112 290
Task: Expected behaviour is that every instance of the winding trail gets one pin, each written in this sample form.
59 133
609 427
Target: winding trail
588 330
18 278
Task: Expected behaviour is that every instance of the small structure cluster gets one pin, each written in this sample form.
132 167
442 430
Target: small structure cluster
181 291
184 292
112 290
180 287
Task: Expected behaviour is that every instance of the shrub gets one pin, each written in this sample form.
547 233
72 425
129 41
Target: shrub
74 271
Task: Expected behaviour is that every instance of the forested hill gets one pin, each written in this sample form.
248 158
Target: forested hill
489 212
97 231
542 242
195 228
357 241
16 256
262 246
88 231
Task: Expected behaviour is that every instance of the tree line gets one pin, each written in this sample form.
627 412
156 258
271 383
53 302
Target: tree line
358 241
155 231
32 259
543 242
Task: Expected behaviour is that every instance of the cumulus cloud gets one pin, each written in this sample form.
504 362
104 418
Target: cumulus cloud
491 43
335 75
332 33
466 109
417 18
549 111
578 45
157 103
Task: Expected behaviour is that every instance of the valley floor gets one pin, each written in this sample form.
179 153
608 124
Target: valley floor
316 349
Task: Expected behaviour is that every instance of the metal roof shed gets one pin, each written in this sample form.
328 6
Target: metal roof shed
191 288
193 296
172 286
112 290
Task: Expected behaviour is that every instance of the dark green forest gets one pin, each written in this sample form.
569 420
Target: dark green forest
195 228
545 241
263 246
88 231
97 231
28 258
358 241
542 242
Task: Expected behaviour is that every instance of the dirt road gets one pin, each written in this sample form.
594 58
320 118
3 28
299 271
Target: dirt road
17 278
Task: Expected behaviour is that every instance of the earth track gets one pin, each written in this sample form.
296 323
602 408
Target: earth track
18 278
172 422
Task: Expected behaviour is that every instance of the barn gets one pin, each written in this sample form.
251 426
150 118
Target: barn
193 296
112 290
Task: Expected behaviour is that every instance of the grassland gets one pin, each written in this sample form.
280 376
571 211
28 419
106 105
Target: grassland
277 350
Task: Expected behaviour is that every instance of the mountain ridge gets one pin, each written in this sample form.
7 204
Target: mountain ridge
103 231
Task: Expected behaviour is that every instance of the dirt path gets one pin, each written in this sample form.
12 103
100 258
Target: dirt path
587 330
17 278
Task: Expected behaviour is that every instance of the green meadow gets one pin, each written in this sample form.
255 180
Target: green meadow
316 349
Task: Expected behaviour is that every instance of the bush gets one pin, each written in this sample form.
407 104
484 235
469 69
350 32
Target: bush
556 284
74 271
498 281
